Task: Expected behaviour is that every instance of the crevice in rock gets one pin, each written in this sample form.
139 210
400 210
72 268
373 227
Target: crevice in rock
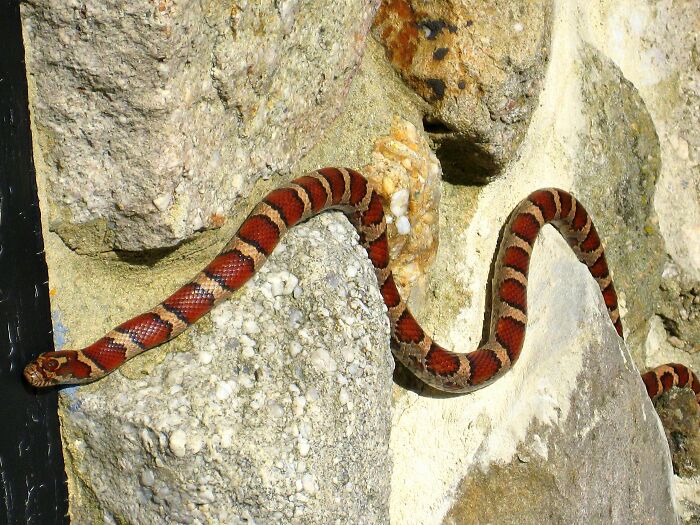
464 160
146 257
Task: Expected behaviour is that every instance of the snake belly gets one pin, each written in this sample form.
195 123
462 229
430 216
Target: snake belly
346 190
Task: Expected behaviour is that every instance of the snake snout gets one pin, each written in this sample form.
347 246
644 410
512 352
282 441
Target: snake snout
34 376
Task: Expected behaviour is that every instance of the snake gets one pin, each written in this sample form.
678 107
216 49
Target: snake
347 190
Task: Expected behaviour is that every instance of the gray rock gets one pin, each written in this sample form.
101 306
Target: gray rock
154 119
278 412
617 169
680 416
567 436
679 309
198 431
655 47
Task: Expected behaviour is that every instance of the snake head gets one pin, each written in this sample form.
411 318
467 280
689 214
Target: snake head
57 368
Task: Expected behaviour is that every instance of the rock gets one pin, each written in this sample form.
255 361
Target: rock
679 309
680 416
406 174
655 48
568 428
660 58
568 436
152 119
278 412
657 58
547 462
479 66
617 168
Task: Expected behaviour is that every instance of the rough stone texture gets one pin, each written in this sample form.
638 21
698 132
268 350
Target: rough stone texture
655 45
278 413
588 121
617 169
679 308
528 436
680 416
153 119
568 436
479 65
407 176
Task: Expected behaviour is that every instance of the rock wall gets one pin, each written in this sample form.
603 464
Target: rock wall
155 118
157 126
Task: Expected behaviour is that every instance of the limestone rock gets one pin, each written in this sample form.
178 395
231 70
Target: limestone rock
407 176
655 47
206 435
659 58
278 412
491 451
617 169
680 416
479 65
153 119
679 309
567 436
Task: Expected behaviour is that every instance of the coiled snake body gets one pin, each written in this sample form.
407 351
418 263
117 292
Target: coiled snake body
347 190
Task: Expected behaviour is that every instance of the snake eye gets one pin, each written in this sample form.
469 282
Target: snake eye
51 364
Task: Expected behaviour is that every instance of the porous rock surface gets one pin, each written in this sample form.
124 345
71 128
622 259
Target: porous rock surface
567 428
654 44
568 436
617 166
278 413
479 66
680 416
155 118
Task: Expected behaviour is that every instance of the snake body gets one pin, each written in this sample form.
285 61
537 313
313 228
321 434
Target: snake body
347 190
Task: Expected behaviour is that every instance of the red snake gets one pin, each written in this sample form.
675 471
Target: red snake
347 190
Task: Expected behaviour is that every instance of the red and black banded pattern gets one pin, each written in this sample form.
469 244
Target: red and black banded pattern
350 192
664 377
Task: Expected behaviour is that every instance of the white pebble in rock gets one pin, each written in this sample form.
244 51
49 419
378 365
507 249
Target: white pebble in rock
290 284
323 361
348 354
282 283
205 495
247 341
176 442
225 436
223 390
276 284
312 395
309 484
251 327
162 202
298 405
276 410
399 202
294 348
147 478
246 381
205 357
403 225
303 447
195 443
